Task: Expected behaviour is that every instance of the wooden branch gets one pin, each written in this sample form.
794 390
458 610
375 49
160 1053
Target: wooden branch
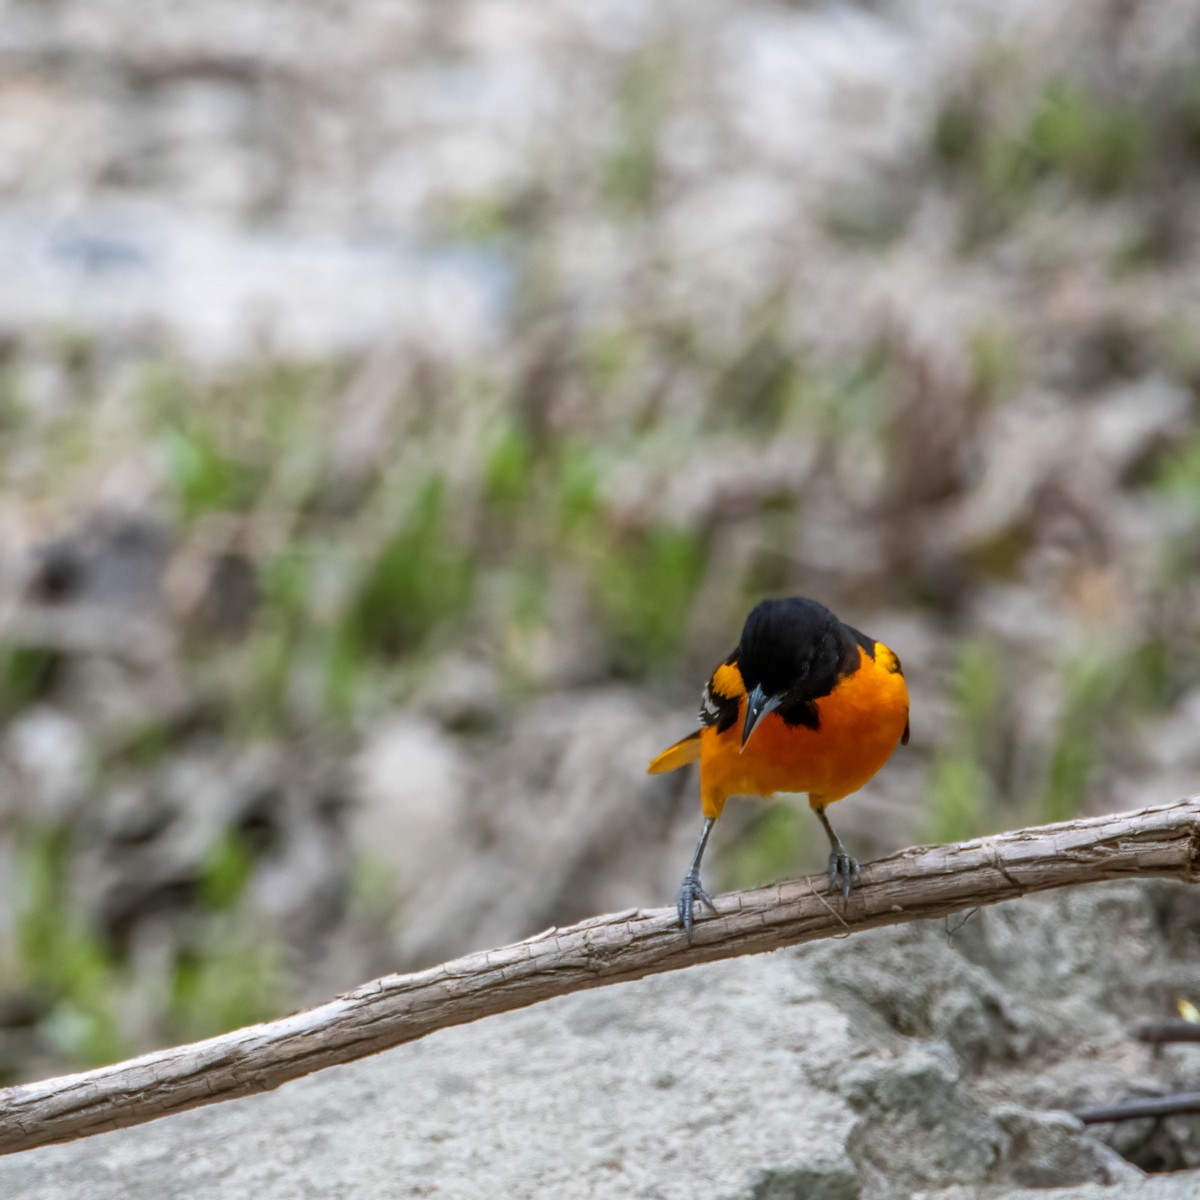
918 883
1133 1110
1160 1033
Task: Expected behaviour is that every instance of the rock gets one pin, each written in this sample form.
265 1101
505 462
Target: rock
1050 1149
833 1180
558 821
900 1103
49 755
411 786
113 560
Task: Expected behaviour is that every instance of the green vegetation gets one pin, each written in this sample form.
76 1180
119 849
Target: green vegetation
204 478
226 872
1179 474
478 220
759 387
76 980
974 774
59 959
958 792
1091 685
10 406
1099 145
631 173
994 363
1096 145
506 472
966 776
231 982
605 355
644 583
27 673
769 847
418 578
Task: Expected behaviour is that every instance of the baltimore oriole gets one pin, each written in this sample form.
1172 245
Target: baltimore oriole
826 706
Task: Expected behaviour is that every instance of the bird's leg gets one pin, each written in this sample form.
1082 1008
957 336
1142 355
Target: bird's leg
691 891
843 870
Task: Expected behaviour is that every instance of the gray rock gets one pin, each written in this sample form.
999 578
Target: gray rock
1050 1149
901 1103
820 1181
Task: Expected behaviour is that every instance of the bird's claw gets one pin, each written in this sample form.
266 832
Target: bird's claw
691 892
844 872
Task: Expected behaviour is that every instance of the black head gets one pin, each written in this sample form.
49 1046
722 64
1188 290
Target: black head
791 653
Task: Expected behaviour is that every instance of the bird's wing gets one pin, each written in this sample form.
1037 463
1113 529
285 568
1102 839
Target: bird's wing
718 709
719 703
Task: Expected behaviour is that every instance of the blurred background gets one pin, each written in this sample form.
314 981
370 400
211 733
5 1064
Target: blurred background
401 405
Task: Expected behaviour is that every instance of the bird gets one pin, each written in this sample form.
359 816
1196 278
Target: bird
805 703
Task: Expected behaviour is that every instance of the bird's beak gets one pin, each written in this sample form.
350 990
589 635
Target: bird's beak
758 704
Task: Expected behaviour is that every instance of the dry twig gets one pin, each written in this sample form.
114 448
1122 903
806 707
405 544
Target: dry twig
1150 1106
1159 1033
917 883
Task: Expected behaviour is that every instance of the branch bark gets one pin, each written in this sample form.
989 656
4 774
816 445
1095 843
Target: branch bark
920 883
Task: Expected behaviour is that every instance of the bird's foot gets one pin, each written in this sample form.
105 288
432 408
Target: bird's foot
691 893
844 871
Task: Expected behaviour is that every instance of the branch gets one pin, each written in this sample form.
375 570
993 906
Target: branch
1160 1033
1132 1110
918 883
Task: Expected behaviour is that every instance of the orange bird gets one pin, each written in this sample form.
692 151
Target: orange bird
804 704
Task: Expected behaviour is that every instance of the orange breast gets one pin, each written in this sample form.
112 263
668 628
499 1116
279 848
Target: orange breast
861 722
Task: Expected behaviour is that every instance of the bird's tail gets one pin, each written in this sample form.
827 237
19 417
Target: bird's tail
679 755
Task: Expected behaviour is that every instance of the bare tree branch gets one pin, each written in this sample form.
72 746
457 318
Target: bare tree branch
1160 1033
917 883
1133 1110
